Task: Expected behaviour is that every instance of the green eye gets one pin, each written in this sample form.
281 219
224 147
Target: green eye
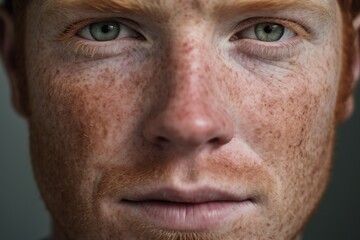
105 31
269 32
108 31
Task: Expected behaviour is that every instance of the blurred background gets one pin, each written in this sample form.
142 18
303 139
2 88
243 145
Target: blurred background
23 216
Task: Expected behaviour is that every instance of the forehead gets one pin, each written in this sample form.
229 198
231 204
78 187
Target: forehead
207 6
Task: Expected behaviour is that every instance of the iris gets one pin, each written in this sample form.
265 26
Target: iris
105 31
269 32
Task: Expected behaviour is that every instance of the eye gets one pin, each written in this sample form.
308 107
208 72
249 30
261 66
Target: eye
265 32
107 31
268 32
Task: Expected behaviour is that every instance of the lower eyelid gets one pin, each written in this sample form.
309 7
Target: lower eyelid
95 50
267 50
80 46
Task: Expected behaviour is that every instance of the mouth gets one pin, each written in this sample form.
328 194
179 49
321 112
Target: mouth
197 210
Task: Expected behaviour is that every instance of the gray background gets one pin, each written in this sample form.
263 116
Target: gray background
23 216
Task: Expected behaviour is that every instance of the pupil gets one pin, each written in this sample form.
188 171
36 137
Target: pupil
268 29
107 28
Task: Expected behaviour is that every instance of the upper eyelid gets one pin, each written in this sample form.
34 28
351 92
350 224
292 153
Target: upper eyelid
74 28
296 27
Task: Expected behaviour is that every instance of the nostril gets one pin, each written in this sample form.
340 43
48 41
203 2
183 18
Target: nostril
162 140
198 129
215 141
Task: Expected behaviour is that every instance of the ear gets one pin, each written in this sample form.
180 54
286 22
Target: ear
347 107
7 50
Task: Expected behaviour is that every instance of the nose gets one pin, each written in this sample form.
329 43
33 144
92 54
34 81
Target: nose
190 115
189 127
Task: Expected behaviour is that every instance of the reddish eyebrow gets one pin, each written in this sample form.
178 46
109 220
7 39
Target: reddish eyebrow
98 4
318 8
162 8
112 6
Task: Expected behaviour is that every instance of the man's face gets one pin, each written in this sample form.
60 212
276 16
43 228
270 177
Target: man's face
207 119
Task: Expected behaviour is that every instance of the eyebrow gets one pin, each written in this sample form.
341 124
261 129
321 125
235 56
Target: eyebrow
159 8
113 6
318 8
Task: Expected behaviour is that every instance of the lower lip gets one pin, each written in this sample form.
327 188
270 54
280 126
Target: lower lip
187 216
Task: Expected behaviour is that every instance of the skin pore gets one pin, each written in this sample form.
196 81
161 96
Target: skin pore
111 121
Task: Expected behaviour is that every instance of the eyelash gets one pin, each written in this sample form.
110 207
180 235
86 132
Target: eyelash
250 47
82 46
271 50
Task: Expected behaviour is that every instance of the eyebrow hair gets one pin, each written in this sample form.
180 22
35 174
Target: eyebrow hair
156 8
319 8
114 6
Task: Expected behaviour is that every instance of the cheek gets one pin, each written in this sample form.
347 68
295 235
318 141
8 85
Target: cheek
98 109
288 120
79 121
289 110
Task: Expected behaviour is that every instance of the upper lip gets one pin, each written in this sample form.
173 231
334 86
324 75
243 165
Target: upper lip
198 195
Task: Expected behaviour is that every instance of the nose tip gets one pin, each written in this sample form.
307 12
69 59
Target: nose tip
189 129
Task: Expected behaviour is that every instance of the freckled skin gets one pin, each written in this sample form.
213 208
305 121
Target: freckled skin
186 110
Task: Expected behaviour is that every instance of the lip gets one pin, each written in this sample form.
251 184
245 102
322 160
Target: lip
183 210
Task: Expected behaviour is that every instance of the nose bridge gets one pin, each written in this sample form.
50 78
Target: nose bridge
188 70
192 100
